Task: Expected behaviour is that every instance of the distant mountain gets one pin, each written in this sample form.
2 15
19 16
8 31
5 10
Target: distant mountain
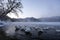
32 19
50 19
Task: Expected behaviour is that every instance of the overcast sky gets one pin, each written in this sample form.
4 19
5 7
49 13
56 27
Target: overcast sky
40 8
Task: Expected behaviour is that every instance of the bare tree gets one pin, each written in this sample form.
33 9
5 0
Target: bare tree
10 6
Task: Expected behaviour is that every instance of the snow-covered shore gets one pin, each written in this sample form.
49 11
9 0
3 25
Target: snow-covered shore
49 30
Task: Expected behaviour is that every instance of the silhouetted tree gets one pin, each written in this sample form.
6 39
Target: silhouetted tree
10 6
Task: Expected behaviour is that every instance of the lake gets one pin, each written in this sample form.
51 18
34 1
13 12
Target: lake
45 23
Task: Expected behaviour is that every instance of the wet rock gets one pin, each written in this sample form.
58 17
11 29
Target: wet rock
39 33
28 33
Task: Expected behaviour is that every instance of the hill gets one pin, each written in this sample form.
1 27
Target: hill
32 19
